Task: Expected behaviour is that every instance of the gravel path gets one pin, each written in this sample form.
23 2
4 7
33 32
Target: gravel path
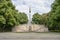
29 36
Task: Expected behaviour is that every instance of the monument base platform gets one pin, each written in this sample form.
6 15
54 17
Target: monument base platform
32 28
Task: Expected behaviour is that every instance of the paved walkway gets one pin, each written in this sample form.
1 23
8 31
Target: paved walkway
29 36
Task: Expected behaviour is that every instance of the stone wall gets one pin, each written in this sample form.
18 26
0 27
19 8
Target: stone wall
34 28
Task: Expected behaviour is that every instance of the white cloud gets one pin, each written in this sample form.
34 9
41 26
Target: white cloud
40 6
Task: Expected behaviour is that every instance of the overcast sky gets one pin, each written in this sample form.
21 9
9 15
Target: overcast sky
40 6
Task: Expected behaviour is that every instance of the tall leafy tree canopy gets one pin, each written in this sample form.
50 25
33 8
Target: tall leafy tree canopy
37 18
9 17
51 19
54 16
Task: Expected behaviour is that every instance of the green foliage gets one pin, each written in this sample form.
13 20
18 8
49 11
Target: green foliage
2 20
23 18
40 19
9 17
37 19
54 16
51 19
44 18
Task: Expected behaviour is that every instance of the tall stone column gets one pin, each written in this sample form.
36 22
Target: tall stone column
30 19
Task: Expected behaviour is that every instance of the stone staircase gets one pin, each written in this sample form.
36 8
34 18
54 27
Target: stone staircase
34 28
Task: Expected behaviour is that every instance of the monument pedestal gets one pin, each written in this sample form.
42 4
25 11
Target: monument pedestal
32 28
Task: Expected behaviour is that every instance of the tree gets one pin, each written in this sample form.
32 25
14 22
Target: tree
44 18
9 16
7 11
54 17
37 18
23 18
